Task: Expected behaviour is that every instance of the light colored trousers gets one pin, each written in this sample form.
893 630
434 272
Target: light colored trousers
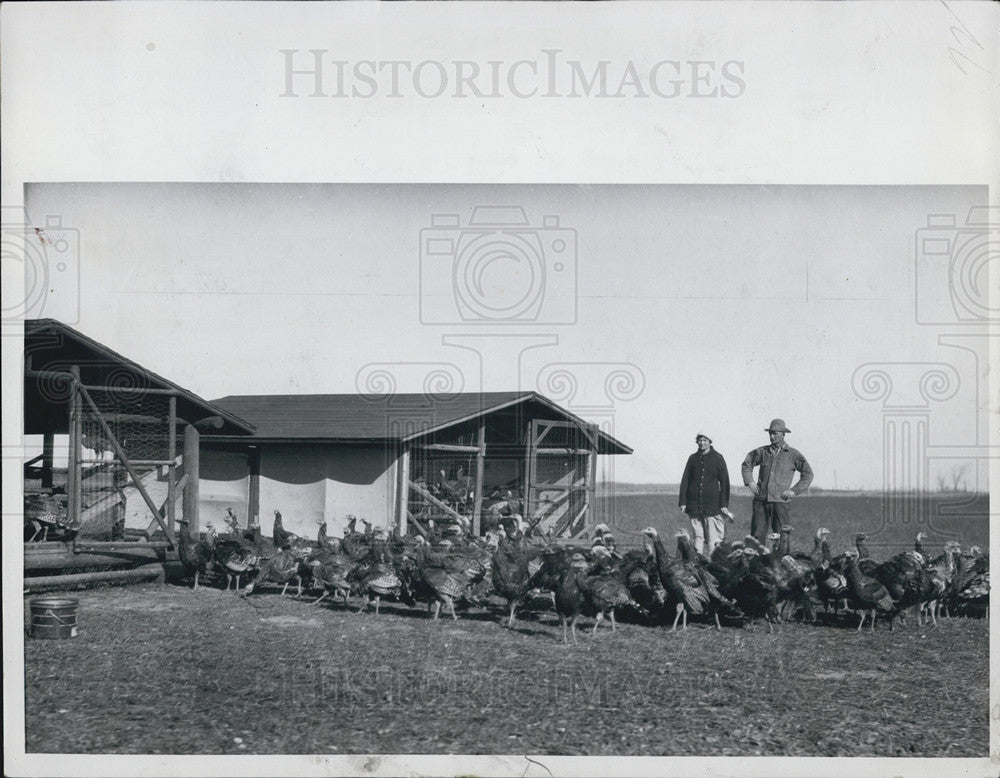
708 533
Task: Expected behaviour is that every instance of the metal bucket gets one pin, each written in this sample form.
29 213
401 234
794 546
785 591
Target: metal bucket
53 617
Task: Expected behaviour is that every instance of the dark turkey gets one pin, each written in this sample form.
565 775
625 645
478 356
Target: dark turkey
515 567
279 569
579 593
235 557
866 594
195 555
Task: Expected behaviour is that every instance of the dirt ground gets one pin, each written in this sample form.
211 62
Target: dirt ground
165 670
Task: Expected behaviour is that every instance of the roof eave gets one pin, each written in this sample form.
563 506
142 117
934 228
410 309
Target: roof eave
35 325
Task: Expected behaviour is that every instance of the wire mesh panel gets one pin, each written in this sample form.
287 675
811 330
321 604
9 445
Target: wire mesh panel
122 425
560 493
560 474
445 482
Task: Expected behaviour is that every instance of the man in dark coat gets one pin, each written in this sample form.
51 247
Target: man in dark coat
773 490
704 495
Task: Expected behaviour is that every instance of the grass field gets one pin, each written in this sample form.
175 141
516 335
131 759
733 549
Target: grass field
962 517
165 670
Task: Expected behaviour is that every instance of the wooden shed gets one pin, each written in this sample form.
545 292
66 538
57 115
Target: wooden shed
119 454
125 452
407 460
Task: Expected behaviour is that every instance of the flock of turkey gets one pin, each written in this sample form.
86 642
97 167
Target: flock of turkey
741 582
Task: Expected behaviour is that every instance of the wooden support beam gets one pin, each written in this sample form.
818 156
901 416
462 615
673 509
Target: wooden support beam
172 467
48 449
402 493
253 498
437 503
149 572
93 555
133 390
529 468
477 505
448 447
135 462
591 478
411 519
74 501
124 460
559 487
191 472
60 546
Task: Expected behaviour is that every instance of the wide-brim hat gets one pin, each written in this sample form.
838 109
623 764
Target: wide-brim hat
777 425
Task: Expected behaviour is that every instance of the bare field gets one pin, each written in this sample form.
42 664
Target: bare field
957 516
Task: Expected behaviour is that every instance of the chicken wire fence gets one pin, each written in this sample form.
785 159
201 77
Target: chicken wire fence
112 502
449 478
559 500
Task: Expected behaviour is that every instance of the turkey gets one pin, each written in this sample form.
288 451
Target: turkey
699 564
375 577
331 571
195 555
692 589
969 592
325 542
232 522
935 580
282 539
636 568
600 531
579 593
515 567
46 515
867 594
280 569
866 564
798 575
263 546
831 582
355 544
235 557
441 576
761 587
905 578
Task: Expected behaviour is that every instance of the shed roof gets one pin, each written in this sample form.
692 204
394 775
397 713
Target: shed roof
51 345
366 417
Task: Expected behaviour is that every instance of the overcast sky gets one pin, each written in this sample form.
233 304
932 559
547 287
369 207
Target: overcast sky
717 307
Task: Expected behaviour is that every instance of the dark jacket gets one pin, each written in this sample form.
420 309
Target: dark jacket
705 484
776 472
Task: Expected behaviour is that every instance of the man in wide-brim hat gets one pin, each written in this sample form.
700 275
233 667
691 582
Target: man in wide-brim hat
773 490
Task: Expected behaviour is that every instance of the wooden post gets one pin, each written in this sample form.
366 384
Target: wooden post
172 467
590 496
477 504
253 498
402 489
74 508
48 449
529 469
191 468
